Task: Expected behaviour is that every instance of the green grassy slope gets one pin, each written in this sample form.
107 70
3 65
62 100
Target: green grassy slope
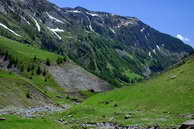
14 122
16 90
163 100
25 57
25 52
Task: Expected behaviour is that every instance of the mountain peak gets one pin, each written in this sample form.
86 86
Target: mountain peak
81 8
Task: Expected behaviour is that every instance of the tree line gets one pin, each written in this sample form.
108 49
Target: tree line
35 66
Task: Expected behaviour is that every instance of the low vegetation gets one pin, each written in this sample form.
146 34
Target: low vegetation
31 64
166 100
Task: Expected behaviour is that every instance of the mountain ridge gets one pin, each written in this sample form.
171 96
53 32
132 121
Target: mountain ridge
111 46
65 61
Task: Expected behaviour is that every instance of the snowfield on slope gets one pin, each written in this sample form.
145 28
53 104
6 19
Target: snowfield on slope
4 26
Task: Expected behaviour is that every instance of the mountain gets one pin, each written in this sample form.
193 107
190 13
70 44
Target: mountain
60 60
31 77
116 48
165 101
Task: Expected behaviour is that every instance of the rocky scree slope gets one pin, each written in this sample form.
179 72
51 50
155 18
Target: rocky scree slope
116 48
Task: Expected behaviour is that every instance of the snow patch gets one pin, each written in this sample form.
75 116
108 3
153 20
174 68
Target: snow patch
53 18
142 29
124 23
55 31
25 20
184 39
92 14
112 30
4 26
90 26
91 29
128 22
158 47
37 25
74 11
150 54
146 37
154 51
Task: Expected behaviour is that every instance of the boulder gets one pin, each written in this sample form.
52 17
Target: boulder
187 125
2 119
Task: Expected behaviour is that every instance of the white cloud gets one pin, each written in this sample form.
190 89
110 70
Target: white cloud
184 39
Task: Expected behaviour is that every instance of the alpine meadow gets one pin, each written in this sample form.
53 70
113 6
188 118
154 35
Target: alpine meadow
73 68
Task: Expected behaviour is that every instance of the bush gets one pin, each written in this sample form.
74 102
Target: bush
59 60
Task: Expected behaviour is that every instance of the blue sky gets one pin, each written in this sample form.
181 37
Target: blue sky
175 17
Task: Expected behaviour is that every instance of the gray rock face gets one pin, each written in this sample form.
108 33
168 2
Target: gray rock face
75 78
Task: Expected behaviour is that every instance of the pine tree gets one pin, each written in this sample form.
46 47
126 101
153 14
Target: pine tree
22 68
6 56
39 70
28 68
35 58
44 72
64 58
48 62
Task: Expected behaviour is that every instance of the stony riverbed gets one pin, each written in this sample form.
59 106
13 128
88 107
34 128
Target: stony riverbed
33 111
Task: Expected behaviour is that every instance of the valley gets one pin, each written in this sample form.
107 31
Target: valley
164 95
72 68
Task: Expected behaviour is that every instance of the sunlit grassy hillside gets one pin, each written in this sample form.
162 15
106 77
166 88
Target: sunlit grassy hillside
167 100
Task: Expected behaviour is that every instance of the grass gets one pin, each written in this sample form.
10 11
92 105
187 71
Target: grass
26 52
15 122
161 100
15 87
13 90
